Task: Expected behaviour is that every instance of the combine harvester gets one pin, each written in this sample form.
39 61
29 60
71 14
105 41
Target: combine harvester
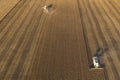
97 66
47 8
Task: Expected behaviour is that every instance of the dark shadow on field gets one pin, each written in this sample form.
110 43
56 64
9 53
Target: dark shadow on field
101 51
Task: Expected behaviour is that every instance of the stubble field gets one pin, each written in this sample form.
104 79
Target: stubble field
59 45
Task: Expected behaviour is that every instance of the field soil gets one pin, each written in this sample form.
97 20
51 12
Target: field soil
59 44
6 6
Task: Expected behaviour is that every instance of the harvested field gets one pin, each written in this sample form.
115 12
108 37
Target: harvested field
6 6
59 45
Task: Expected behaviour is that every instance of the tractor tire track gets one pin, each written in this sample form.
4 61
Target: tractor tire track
104 41
112 23
4 51
11 14
93 33
9 30
114 6
110 36
85 38
17 46
114 42
27 46
111 10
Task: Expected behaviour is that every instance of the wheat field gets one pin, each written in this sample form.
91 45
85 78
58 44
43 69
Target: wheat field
59 44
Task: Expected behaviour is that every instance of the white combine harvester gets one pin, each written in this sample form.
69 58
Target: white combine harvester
96 60
96 67
47 8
